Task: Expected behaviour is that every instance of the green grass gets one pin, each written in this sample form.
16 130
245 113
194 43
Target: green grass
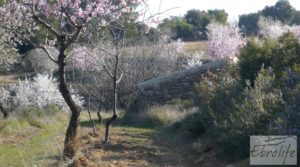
38 142
32 152
26 145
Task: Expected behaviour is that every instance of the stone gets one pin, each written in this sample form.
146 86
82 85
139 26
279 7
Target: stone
179 84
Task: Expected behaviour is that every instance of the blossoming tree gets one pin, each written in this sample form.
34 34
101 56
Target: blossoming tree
224 41
269 28
65 20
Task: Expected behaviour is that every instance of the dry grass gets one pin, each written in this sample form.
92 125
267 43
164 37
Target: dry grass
167 115
197 46
12 78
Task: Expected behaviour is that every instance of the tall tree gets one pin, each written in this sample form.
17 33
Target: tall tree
199 20
296 17
20 18
248 23
282 11
218 15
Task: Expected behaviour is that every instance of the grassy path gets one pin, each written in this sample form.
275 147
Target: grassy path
28 145
128 147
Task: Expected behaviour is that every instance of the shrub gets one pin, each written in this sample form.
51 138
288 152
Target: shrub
253 56
230 114
41 92
259 108
217 95
6 100
194 60
261 102
287 54
287 122
280 55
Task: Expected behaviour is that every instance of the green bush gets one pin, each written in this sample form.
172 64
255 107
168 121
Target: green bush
253 56
260 106
281 54
217 95
230 114
289 117
287 54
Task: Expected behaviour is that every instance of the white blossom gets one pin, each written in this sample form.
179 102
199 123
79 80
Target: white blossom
41 92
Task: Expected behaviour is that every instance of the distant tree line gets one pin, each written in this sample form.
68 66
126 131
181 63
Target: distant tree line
282 11
190 27
193 25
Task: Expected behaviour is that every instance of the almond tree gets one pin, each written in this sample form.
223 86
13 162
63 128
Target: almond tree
120 69
65 20
224 41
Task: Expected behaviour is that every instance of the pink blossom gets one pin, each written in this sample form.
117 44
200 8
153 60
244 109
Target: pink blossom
19 13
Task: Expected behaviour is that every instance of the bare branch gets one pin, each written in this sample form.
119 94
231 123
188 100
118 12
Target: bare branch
106 51
48 53
73 36
69 18
108 72
119 80
48 26
33 43
104 66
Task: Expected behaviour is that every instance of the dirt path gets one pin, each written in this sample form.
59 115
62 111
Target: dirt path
128 147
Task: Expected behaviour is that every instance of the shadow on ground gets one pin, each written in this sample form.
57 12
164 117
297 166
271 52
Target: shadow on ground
128 147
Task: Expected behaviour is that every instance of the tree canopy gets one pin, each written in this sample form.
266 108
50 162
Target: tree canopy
282 11
193 25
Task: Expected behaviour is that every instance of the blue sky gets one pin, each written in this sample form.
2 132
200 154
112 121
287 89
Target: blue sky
233 7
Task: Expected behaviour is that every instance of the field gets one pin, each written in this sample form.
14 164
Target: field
197 46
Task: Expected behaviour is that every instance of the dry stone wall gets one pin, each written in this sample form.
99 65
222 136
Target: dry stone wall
178 85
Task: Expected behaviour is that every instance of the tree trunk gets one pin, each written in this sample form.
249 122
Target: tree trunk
5 113
114 117
70 139
115 80
99 115
92 122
